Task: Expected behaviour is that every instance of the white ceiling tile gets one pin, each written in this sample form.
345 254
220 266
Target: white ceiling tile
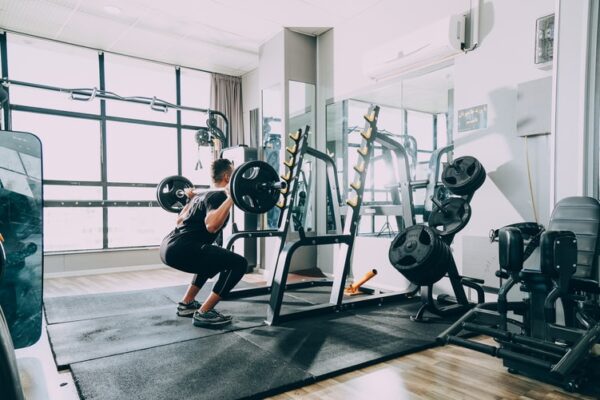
92 31
34 17
129 12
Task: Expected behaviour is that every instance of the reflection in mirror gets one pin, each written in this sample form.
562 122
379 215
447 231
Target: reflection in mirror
302 208
21 228
301 106
272 132
415 112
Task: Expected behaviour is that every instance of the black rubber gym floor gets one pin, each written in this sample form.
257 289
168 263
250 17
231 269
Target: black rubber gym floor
141 350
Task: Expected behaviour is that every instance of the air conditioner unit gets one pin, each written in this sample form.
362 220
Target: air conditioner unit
426 46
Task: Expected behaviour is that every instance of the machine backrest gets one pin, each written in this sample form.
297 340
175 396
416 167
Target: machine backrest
580 215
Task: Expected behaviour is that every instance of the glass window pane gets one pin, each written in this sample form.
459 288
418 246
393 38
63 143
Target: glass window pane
356 111
131 193
54 64
390 120
420 126
68 228
442 130
195 92
196 160
129 226
140 153
130 77
71 192
71 146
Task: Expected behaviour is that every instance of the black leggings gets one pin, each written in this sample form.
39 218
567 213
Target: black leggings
205 261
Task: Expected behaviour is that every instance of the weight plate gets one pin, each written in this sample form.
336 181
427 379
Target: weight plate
451 218
464 176
253 187
170 193
420 255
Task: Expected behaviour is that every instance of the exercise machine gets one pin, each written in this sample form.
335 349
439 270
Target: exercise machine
536 344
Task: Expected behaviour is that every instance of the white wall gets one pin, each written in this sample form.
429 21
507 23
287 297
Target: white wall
388 19
325 79
570 88
490 75
100 261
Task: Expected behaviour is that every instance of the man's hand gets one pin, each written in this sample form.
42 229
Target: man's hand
227 190
190 193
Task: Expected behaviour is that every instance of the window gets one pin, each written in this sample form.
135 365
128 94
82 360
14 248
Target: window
44 62
131 77
132 226
140 153
70 146
139 144
72 228
195 92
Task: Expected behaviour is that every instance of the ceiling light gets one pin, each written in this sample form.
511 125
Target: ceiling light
112 10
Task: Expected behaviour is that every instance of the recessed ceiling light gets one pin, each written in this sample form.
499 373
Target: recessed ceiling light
112 10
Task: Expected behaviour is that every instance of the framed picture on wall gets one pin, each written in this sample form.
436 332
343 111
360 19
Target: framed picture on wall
544 40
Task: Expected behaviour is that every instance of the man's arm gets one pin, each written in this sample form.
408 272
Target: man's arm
183 213
216 218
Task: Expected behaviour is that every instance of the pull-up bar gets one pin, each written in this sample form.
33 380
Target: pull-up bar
89 94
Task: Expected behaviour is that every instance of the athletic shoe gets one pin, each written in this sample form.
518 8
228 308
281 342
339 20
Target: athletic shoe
187 310
210 318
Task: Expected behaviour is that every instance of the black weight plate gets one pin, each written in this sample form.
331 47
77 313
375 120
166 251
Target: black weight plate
170 193
420 255
411 248
464 176
249 187
451 218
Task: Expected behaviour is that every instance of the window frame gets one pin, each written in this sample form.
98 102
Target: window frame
102 117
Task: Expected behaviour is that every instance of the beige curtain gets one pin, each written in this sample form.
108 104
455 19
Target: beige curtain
254 128
226 96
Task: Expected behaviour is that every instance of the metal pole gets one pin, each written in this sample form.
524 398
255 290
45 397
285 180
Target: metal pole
103 152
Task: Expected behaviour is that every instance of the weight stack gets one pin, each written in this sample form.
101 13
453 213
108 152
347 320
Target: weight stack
247 247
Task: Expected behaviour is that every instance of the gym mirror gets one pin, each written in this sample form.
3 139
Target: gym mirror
21 227
272 131
301 104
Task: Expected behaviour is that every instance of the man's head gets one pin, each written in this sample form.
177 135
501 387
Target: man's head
221 170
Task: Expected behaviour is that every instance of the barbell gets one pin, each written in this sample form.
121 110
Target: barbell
254 186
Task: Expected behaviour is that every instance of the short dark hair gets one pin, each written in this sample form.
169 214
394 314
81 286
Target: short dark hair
219 168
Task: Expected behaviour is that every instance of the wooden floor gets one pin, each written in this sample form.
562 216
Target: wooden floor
440 373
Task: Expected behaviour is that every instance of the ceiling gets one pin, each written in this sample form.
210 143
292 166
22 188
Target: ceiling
215 35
